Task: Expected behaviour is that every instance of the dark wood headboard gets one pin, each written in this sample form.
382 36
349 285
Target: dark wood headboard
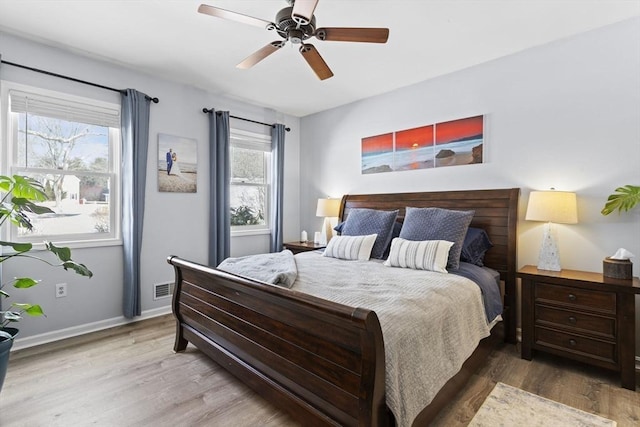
496 211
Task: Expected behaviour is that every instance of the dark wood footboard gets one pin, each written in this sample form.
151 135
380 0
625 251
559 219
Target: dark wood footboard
320 361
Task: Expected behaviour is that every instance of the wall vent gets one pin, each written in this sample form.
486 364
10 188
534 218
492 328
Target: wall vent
163 290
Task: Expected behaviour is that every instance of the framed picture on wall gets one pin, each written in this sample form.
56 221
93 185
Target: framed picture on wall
177 164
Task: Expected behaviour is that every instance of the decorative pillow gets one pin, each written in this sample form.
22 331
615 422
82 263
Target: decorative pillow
476 244
429 255
350 247
395 232
362 222
438 224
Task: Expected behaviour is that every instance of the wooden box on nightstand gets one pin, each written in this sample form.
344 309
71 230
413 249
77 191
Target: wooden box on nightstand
580 315
297 247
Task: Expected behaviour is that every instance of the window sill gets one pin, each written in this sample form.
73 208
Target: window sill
39 246
254 232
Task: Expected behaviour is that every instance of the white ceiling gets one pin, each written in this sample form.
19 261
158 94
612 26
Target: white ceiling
427 38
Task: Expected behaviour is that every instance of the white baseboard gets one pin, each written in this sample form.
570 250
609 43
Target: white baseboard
74 331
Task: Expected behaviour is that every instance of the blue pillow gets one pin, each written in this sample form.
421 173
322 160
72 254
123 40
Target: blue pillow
362 222
476 244
438 224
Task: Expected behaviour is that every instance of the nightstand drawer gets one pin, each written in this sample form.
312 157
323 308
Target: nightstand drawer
574 297
593 325
601 350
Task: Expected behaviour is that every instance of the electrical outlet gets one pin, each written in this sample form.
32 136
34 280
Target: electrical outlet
61 290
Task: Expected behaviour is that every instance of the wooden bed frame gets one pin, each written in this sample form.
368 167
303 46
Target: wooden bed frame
320 361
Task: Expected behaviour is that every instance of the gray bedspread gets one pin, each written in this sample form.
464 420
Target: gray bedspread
276 268
431 322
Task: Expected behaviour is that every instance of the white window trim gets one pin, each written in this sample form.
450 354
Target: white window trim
7 157
260 142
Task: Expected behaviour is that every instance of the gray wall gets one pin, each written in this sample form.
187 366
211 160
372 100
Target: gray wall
563 115
174 223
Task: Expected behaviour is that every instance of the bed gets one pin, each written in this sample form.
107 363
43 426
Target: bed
324 362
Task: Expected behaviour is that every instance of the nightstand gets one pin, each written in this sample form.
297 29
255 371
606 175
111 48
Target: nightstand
580 315
297 247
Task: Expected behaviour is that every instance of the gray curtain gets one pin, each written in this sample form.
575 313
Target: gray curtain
135 141
1 278
277 187
220 178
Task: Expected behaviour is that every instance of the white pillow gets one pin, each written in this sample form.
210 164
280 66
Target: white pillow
429 255
351 247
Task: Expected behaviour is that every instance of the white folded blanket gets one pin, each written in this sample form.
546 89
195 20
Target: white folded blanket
276 268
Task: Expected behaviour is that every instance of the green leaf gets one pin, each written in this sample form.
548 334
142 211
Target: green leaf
30 309
64 254
4 294
34 310
24 282
624 199
80 269
18 247
28 188
27 205
5 183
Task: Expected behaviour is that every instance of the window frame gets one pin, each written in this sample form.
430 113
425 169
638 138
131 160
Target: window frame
259 142
10 166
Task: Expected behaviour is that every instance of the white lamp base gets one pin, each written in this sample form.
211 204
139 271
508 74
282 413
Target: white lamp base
326 234
549 257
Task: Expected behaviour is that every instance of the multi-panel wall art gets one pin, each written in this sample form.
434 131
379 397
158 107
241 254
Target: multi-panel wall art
452 143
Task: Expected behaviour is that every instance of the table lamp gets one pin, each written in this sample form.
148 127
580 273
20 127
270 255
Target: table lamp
551 206
327 208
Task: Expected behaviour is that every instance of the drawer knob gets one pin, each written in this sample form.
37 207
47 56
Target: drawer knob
572 343
572 297
572 320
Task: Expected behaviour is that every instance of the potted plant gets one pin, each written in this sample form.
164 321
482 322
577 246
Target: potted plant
19 200
623 199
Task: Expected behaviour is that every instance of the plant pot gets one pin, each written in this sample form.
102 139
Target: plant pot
5 346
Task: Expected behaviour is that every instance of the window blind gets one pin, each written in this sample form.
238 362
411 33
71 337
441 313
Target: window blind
73 111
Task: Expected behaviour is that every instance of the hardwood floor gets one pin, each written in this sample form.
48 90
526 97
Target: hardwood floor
129 376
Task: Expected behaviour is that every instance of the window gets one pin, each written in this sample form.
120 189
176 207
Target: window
250 178
71 146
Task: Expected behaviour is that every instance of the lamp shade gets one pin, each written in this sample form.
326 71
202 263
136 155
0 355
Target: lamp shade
328 207
552 206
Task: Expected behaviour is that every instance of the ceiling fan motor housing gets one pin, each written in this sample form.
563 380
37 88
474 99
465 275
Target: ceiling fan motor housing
288 28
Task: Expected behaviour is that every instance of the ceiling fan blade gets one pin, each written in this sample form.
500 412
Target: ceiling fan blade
365 35
303 11
260 54
233 16
316 62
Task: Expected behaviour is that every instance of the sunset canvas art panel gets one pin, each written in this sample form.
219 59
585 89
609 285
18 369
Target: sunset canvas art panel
414 148
377 154
459 142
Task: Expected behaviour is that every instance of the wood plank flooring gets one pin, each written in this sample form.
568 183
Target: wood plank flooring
129 376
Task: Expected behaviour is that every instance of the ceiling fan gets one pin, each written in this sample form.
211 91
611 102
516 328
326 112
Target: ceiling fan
297 24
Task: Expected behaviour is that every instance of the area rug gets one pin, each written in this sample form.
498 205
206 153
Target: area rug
509 406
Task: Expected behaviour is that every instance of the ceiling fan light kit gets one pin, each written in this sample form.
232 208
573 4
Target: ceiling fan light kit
297 24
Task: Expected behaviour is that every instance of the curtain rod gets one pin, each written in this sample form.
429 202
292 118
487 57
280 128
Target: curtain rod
207 111
49 73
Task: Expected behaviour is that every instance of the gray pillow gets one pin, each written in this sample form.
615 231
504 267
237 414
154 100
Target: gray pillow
438 224
362 222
